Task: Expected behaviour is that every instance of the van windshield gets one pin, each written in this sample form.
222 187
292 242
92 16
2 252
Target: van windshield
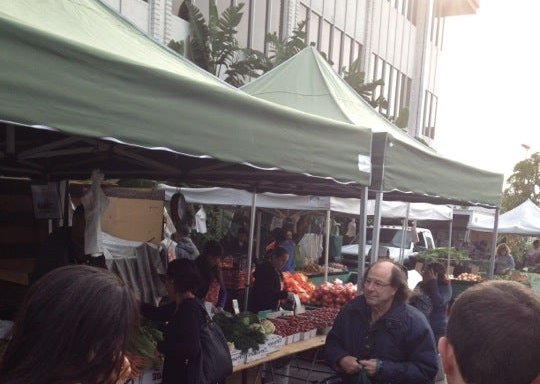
387 237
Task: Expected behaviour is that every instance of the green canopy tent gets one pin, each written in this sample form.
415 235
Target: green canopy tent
81 88
403 168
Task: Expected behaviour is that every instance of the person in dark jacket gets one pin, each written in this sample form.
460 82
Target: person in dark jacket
436 286
181 338
381 334
493 335
212 288
268 286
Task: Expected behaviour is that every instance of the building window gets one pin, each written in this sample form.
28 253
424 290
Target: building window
346 52
243 28
259 24
326 32
412 11
397 92
274 16
336 48
314 25
430 114
341 9
350 17
357 54
386 91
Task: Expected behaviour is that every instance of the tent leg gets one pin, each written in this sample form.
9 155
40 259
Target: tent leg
450 229
327 248
250 249
258 237
404 232
362 222
494 245
376 228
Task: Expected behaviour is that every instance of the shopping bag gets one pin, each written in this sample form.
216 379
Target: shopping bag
215 363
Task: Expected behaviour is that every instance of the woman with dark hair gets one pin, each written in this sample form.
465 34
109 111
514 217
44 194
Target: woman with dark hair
73 326
212 288
181 338
432 296
268 286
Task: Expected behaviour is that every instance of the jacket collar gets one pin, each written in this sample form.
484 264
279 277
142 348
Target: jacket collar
394 318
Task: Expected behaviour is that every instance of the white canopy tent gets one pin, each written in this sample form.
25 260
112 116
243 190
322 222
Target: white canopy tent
522 220
237 197
230 196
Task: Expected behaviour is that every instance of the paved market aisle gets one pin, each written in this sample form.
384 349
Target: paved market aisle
299 372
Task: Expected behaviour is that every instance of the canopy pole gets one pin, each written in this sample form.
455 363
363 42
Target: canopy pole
250 249
404 231
494 244
376 228
362 222
450 229
327 248
258 236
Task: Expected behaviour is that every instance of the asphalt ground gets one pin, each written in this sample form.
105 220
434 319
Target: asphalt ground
305 368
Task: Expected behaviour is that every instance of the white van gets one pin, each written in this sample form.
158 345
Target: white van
389 244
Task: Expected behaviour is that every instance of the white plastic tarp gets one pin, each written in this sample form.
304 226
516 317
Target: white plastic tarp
522 220
228 196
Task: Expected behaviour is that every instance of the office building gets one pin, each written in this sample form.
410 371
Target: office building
399 41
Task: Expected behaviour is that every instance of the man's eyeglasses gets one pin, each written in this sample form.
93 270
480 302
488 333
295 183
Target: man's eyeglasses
376 283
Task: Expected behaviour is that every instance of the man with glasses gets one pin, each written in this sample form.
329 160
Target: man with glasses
380 336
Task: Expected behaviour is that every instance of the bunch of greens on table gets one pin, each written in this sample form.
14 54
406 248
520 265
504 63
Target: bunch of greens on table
244 330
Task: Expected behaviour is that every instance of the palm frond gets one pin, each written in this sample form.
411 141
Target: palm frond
200 52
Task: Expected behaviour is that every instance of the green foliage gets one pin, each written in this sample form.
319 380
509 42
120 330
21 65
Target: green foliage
518 246
218 222
177 46
137 183
357 80
238 331
214 47
523 184
441 255
283 49
402 120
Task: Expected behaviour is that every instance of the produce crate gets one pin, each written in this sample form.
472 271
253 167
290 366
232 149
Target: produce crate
458 286
234 278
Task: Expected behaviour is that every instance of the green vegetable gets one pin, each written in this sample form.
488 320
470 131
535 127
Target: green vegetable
144 345
238 330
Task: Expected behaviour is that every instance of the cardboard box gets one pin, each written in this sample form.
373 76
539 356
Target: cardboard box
258 354
274 342
147 377
134 219
237 357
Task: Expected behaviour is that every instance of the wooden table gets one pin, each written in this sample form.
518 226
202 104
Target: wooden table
286 350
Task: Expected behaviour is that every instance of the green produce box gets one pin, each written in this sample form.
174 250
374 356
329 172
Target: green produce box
459 286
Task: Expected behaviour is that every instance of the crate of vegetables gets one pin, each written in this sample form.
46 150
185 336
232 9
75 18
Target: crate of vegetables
334 294
464 281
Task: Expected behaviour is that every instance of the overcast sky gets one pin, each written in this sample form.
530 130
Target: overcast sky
488 84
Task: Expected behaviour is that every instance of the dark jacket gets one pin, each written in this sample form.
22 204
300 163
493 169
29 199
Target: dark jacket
181 344
267 288
401 339
440 294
